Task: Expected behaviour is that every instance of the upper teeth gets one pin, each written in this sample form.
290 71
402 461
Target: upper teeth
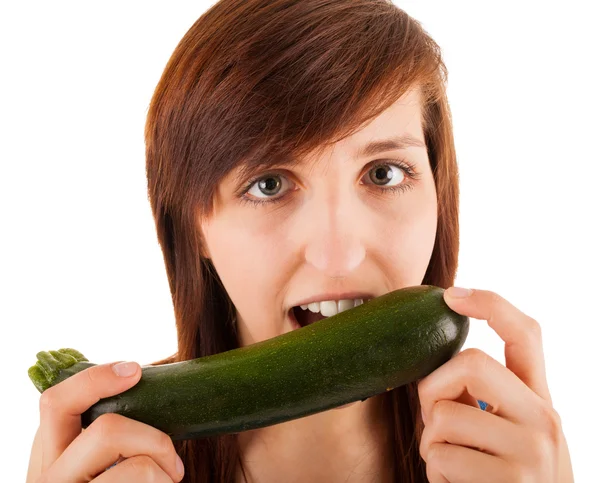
328 308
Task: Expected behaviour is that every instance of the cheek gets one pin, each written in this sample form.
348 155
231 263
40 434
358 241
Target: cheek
410 238
247 258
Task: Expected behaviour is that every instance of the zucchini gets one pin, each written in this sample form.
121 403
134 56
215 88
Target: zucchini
386 342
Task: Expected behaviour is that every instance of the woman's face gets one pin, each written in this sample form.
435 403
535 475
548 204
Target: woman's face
326 230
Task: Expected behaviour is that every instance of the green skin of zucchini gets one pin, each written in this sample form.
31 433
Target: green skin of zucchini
384 343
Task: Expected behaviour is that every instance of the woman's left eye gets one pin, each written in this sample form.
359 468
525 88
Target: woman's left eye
381 174
386 177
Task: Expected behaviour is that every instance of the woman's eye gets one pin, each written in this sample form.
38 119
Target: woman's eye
268 186
387 178
386 175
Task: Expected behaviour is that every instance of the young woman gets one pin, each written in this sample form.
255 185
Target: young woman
302 152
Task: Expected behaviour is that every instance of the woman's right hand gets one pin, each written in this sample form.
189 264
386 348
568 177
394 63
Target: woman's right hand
63 452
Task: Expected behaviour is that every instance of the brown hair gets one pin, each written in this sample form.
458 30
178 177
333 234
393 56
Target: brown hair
252 81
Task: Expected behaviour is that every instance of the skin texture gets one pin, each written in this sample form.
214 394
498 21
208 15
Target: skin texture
334 231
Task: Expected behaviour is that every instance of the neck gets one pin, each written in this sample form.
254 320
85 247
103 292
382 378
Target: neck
349 445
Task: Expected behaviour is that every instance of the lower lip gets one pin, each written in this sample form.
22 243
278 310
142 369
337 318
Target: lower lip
296 325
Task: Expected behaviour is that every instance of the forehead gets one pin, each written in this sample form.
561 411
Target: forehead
402 117
397 127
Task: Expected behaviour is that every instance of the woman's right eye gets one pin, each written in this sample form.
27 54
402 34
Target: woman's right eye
266 188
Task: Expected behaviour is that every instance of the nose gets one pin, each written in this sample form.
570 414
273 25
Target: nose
334 238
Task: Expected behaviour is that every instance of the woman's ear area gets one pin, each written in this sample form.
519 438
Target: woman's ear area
203 246
204 252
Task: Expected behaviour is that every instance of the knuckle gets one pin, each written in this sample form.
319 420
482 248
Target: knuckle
432 473
542 449
436 455
424 442
520 474
552 424
443 411
495 298
164 445
422 448
474 360
144 468
532 328
473 353
91 376
104 426
48 400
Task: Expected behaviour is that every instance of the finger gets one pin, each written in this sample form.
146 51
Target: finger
486 380
456 464
117 462
455 423
139 469
434 476
108 437
521 334
61 405
464 398
468 400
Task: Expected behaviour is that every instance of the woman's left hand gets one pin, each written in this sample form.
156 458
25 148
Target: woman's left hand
519 436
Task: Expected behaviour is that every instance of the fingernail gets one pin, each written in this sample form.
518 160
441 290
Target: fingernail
458 292
125 369
180 468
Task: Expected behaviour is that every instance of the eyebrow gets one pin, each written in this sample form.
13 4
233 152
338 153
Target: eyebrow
403 141
396 142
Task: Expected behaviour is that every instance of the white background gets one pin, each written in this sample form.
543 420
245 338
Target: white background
80 263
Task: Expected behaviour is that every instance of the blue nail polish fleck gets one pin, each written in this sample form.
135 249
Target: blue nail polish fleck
482 404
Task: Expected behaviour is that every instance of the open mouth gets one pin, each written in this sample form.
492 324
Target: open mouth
305 317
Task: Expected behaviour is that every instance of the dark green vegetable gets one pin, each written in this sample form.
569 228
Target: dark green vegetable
387 342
